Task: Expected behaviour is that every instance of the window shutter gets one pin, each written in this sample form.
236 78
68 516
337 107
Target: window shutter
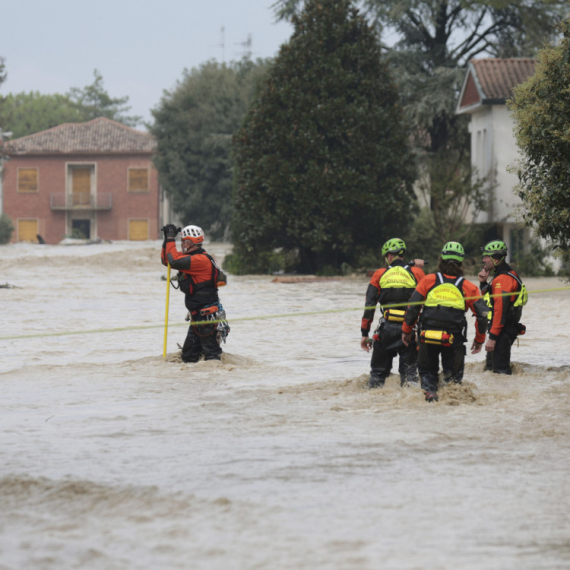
138 230
27 179
138 179
28 230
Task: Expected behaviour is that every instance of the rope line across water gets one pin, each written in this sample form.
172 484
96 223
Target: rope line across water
254 318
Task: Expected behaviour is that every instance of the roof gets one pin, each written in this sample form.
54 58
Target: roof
491 81
100 135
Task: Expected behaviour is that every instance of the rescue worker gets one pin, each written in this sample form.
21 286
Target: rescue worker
442 298
506 311
390 285
199 278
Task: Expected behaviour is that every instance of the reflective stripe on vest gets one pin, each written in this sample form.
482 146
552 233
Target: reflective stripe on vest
522 296
446 294
398 277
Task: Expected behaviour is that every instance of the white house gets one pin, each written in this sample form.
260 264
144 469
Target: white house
487 85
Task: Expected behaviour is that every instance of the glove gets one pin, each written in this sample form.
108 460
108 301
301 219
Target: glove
170 231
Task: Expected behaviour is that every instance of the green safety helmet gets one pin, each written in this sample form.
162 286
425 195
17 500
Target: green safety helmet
453 251
495 248
395 246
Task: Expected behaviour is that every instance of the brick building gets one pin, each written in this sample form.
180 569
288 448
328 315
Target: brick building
92 179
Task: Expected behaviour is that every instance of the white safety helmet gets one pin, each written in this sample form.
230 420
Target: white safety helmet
193 234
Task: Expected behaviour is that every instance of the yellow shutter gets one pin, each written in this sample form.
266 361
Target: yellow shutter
138 180
28 230
27 179
81 186
138 230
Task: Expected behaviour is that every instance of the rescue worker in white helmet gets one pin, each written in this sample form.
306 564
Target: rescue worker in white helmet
393 284
442 298
199 278
506 310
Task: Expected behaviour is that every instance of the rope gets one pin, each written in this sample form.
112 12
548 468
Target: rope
257 318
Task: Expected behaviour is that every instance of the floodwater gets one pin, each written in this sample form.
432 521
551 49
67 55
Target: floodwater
277 457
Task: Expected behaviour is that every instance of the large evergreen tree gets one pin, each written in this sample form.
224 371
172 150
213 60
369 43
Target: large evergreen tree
322 160
541 108
193 127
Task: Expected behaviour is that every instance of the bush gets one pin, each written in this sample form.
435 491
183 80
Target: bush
535 263
6 228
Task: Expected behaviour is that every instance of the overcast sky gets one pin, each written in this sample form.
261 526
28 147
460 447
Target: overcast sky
140 46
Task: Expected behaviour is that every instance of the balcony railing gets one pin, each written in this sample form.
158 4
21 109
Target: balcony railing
63 201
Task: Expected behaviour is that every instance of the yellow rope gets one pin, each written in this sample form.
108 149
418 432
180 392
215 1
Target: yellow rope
259 317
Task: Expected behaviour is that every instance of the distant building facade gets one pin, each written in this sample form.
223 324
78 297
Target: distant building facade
91 180
487 85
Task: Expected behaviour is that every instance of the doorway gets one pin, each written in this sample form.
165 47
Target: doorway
81 229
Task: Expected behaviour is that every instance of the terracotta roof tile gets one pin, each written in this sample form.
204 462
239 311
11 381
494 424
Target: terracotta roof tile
498 77
100 135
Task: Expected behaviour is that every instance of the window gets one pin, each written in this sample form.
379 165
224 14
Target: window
27 179
138 230
28 230
138 180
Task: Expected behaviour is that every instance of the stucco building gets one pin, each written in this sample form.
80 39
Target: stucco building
487 85
92 179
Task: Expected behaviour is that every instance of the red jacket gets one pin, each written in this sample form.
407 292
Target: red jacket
501 283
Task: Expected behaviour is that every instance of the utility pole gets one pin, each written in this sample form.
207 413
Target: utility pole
222 43
3 158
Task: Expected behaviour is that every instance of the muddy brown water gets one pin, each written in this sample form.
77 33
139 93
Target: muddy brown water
277 457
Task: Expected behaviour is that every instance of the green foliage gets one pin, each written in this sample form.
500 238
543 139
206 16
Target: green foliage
93 102
6 228
3 73
541 108
322 159
534 263
193 127
267 262
435 40
28 113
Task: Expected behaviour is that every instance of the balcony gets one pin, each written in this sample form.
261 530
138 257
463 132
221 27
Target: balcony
63 201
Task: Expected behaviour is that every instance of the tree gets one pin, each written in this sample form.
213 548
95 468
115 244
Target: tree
322 159
3 73
93 101
435 40
193 127
541 107
28 113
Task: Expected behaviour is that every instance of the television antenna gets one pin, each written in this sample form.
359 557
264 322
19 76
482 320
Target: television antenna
246 46
222 43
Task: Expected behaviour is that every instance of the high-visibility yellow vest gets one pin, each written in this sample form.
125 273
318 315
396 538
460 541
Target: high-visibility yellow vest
446 294
398 277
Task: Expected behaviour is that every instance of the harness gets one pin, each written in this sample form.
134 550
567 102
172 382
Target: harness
188 285
520 301
396 286
445 305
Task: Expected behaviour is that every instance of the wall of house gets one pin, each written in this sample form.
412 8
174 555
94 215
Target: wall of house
493 147
110 176
506 155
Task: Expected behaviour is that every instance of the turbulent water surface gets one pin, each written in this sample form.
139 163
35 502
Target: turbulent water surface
279 456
